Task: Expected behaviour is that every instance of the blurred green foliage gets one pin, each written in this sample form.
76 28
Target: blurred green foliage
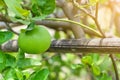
49 66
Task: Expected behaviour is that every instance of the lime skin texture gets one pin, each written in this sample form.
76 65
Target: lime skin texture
35 41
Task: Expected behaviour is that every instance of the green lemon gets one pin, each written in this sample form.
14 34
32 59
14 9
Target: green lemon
35 41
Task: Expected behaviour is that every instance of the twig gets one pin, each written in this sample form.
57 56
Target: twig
82 9
96 10
10 29
96 21
74 22
94 18
115 66
52 24
7 24
100 30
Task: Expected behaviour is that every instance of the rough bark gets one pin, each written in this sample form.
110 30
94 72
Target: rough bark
106 45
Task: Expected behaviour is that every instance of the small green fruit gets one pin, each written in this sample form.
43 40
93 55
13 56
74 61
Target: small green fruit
35 41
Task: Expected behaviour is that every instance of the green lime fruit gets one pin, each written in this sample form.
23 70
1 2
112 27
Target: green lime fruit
35 41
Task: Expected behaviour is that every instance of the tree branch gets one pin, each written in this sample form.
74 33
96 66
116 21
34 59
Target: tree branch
54 25
106 45
70 11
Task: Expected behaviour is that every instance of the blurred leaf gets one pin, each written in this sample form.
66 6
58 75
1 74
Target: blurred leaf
62 35
70 57
95 57
56 58
105 77
76 66
10 60
23 12
105 63
40 75
57 35
5 36
87 60
2 61
2 57
36 10
19 74
10 74
28 63
96 70
2 4
30 26
21 55
14 6
39 18
26 73
117 55
42 7
14 19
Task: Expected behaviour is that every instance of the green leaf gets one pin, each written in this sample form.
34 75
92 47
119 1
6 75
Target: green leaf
23 12
42 7
2 4
6 61
31 26
105 63
96 70
40 75
14 19
24 63
5 36
76 66
19 74
21 55
95 57
10 74
57 35
10 60
16 8
28 63
87 60
105 76
2 61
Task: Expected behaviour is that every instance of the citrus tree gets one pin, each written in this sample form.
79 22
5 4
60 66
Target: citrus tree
29 53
